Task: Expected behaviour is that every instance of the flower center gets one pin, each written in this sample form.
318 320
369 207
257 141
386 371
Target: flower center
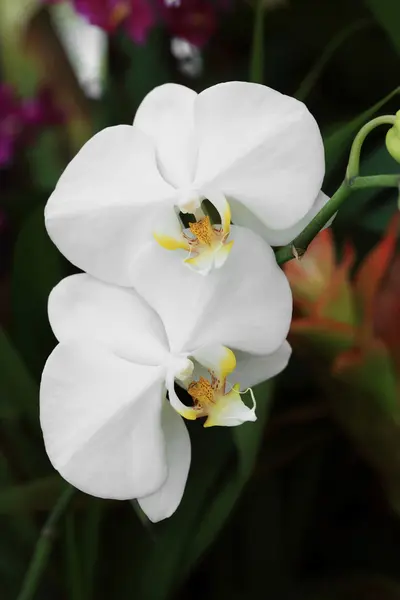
207 244
202 393
211 398
203 231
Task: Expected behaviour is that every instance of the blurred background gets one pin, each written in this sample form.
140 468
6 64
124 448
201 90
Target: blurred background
304 504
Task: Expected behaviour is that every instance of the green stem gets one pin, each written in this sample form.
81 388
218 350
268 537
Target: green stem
353 167
257 50
73 563
43 547
302 241
371 181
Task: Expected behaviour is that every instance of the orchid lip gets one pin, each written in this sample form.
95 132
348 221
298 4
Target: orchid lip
207 243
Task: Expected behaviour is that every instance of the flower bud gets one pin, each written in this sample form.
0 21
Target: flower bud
393 139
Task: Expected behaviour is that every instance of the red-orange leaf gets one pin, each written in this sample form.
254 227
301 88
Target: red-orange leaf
370 276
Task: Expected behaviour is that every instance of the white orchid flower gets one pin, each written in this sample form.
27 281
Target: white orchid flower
108 427
254 153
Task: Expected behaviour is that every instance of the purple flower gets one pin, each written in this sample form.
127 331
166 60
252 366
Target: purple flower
41 110
136 16
107 14
11 123
192 20
140 21
20 120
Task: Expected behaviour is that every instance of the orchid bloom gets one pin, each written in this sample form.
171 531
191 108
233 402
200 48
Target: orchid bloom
107 425
254 153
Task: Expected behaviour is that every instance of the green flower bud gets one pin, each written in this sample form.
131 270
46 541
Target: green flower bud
393 139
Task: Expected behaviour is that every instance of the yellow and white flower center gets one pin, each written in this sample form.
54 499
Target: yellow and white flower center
220 406
206 243
211 398
204 394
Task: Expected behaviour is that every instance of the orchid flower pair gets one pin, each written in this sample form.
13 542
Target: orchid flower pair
170 296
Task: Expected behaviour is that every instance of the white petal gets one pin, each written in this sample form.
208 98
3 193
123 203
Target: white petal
276 237
261 148
81 307
101 421
244 305
185 411
164 502
252 369
166 115
106 203
168 232
204 262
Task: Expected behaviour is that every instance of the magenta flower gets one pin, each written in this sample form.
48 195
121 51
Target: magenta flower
140 21
136 16
11 124
20 120
41 110
192 20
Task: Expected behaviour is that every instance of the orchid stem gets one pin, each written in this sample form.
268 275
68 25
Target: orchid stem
371 181
43 547
302 241
257 50
353 168
352 182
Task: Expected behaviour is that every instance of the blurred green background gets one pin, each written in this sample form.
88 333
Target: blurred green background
304 504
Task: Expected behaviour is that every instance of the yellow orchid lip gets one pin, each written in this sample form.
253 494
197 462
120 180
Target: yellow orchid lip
211 399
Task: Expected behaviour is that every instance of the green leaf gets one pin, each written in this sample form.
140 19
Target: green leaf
38 267
256 71
148 67
247 439
212 451
74 578
387 13
222 463
351 586
90 536
371 374
377 220
18 391
36 495
339 142
45 160
18 68
366 405
337 41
